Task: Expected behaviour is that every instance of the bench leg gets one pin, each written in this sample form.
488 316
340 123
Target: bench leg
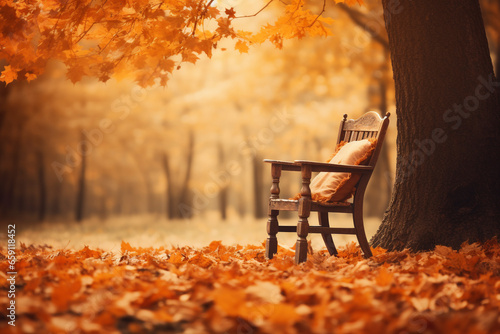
272 230
302 230
272 222
301 244
360 230
304 211
327 237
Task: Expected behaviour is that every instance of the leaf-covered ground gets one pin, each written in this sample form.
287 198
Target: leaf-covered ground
234 289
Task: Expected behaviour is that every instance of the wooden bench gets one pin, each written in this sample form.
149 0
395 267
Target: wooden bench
370 125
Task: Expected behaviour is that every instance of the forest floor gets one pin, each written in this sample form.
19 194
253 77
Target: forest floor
154 231
143 276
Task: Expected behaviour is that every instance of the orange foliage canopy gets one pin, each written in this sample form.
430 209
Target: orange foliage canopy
234 289
144 39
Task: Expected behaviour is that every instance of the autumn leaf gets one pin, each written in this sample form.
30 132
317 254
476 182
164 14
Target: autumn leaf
30 76
193 290
201 261
283 314
241 46
65 292
75 73
8 74
125 247
230 301
86 252
230 13
133 37
384 277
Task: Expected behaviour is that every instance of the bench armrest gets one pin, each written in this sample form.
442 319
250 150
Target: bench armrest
328 167
285 165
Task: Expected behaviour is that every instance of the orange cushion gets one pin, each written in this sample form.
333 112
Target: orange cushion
338 187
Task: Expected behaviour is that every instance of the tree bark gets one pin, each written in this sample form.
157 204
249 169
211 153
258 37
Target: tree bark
447 178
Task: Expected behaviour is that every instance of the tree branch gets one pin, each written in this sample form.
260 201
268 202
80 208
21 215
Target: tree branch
355 16
260 10
321 13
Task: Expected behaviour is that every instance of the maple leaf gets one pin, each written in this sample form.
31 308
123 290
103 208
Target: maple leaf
75 73
30 76
224 27
8 75
86 252
125 246
241 46
189 57
230 13
201 261
63 293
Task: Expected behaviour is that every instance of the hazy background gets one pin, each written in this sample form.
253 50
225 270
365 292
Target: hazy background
95 163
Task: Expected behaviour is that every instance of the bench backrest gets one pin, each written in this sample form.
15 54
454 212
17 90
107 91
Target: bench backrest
370 125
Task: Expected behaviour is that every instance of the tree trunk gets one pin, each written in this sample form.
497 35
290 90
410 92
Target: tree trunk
380 187
169 191
447 178
224 185
497 61
80 192
10 177
42 188
184 199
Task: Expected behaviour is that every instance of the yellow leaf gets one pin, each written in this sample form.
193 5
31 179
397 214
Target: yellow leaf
241 46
